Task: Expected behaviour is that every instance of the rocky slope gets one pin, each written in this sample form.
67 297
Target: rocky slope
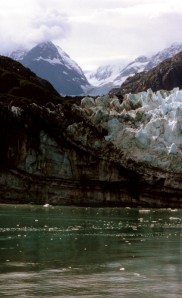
20 86
53 64
166 75
95 152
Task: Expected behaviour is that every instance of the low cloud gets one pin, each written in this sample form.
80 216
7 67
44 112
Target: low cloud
23 30
50 26
92 31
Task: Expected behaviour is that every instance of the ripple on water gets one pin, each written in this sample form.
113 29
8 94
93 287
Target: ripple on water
96 253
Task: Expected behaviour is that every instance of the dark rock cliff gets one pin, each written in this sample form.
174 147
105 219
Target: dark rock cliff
43 160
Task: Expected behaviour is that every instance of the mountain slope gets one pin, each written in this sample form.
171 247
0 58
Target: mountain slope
115 75
18 55
53 64
20 86
167 75
169 52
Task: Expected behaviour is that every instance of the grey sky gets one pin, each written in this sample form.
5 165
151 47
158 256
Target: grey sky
92 32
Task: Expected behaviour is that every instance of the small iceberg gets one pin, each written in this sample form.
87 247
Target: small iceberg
46 205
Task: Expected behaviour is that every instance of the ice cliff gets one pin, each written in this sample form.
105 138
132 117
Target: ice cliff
144 130
146 127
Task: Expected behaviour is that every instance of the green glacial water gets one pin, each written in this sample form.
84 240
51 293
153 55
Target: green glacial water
90 252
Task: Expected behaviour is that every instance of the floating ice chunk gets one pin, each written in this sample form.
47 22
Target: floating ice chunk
137 274
144 211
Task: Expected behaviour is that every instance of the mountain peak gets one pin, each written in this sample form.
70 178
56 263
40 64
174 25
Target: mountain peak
51 63
45 50
47 43
46 46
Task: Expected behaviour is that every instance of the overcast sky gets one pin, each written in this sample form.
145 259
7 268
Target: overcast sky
92 32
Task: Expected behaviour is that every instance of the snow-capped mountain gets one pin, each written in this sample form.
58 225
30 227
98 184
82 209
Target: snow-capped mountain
104 74
103 79
110 76
53 64
116 73
138 65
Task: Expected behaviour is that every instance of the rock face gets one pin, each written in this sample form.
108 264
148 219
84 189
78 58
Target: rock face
94 152
166 76
45 159
40 164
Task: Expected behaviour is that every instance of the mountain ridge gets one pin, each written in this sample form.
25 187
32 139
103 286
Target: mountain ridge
53 64
117 74
165 76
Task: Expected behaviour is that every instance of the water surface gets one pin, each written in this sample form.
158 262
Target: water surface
90 252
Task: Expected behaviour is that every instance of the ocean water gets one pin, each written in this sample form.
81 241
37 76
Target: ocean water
90 252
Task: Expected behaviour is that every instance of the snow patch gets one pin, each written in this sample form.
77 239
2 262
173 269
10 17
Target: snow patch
51 61
69 62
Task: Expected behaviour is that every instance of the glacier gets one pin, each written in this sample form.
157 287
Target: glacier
146 127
